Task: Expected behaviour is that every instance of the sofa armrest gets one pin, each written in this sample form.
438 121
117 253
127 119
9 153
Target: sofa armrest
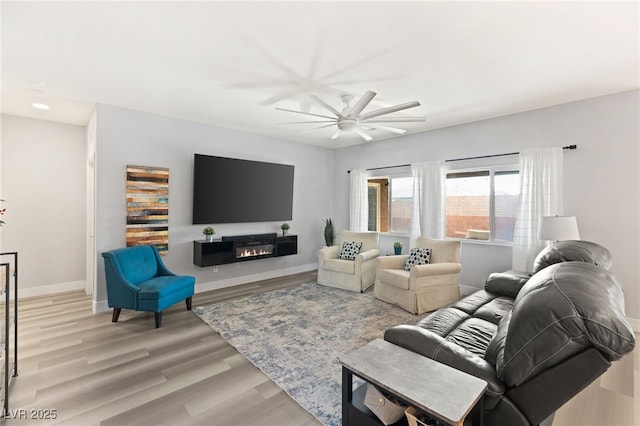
430 345
432 269
392 262
505 284
121 292
162 269
367 255
330 252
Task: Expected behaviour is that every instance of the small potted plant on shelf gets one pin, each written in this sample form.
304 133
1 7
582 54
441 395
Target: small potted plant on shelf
285 228
397 247
208 233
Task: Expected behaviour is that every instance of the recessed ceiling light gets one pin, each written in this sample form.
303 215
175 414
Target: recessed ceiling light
40 105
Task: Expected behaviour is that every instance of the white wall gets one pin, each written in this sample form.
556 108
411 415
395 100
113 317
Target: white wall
131 137
43 183
601 177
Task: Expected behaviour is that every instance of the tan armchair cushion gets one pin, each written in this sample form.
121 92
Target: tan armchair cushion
340 265
398 278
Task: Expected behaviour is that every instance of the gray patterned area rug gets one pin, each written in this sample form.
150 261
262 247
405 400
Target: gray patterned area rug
296 336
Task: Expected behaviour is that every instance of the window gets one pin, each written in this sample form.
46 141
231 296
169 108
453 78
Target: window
482 204
401 204
378 197
390 204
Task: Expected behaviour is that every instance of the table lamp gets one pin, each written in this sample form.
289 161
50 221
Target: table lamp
558 228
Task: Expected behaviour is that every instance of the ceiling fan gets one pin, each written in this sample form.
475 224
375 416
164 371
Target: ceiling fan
351 119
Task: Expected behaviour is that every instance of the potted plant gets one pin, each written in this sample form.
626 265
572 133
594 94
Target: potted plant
397 247
329 234
285 228
208 233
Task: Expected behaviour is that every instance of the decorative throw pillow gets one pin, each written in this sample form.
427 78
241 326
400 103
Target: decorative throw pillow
418 256
349 250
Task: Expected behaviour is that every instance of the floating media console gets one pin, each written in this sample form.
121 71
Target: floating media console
241 248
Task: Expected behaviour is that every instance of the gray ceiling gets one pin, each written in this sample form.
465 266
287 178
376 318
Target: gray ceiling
230 64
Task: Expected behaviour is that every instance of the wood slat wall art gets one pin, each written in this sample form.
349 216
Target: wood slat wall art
148 207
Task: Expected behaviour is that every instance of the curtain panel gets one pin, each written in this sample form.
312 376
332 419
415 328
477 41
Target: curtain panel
359 203
540 195
429 197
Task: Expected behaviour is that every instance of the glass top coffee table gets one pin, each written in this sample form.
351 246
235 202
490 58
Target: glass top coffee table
436 389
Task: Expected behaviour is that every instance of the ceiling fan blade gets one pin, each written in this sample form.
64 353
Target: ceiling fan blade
362 133
310 122
317 128
389 129
361 104
389 110
337 134
306 113
394 120
327 106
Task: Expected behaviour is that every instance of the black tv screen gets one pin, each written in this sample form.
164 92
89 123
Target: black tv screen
231 190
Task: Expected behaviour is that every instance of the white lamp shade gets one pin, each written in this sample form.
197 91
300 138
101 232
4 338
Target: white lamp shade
558 228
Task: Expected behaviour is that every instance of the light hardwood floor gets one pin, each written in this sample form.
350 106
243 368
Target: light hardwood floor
92 371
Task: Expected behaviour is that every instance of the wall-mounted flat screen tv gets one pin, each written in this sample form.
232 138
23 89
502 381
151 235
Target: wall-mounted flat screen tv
231 190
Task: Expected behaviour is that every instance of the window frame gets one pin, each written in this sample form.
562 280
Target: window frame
493 167
401 172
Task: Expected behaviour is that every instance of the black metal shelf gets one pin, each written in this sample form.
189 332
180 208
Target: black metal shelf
8 339
223 251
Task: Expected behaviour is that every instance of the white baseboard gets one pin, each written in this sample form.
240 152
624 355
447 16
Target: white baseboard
100 306
245 279
45 290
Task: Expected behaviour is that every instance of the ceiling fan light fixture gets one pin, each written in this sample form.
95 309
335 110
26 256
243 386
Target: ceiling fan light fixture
347 124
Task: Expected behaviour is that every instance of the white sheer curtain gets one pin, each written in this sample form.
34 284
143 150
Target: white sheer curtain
429 192
359 204
540 195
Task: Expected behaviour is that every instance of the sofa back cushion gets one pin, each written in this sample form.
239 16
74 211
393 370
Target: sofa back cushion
560 311
573 250
137 263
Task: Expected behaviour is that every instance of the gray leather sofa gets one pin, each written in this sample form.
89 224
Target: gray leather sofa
536 340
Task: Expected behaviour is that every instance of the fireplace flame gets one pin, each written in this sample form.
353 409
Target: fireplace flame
254 252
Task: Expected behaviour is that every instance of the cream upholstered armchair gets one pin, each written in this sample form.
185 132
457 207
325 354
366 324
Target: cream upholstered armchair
357 274
424 287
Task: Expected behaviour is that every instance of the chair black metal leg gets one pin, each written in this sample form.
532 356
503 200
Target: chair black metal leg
116 314
188 302
158 316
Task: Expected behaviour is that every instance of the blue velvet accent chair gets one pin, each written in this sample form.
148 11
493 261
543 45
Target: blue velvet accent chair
138 279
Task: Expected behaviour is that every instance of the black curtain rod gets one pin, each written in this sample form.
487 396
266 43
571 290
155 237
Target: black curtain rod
462 159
